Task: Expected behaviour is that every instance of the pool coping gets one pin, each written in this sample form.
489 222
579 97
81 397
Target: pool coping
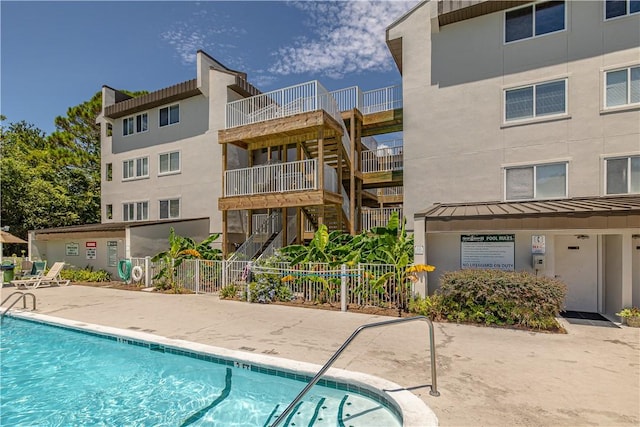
413 410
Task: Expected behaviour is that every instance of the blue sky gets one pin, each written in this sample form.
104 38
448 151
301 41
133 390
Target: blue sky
55 55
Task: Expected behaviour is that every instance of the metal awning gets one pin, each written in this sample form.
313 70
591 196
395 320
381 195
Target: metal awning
575 213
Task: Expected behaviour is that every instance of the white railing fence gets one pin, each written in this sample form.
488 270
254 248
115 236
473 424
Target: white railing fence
272 105
270 225
323 284
273 178
378 217
364 284
370 101
348 98
382 159
384 99
391 191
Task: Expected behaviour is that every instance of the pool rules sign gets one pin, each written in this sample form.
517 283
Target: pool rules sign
487 251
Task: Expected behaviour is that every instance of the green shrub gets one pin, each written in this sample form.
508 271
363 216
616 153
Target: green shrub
500 298
427 306
230 291
85 275
268 288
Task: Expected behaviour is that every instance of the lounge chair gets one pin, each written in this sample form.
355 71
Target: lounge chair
52 278
32 269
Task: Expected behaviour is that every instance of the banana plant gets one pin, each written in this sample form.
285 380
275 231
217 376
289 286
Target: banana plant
181 248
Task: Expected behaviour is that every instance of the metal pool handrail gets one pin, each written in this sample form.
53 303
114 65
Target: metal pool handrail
434 386
24 301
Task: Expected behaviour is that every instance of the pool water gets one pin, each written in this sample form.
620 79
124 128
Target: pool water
60 377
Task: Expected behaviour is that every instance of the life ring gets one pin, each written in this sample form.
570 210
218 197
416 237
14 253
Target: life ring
124 269
136 273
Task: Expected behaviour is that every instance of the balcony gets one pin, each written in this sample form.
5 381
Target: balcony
278 178
378 217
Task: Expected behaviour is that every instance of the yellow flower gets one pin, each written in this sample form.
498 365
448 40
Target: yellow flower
191 252
420 268
287 278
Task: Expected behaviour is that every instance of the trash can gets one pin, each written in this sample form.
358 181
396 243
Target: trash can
7 272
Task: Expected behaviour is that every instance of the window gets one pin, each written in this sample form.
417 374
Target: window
170 162
542 99
136 168
169 208
137 211
109 129
169 115
127 126
616 8
109 211
109 172
623 175
536 182
622 87
139 123
534 20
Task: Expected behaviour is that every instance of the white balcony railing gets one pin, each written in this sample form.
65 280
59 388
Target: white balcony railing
272 105
391 191
382 159
384 99
371 101
275 178
378 217
348 98
278 178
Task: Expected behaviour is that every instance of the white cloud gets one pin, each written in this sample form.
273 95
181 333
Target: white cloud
349 38
186 43
201 31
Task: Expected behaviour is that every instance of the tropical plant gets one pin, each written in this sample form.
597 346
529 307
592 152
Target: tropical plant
391 245
181 248
333 248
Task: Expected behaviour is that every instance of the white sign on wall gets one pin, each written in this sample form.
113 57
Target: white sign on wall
487 251
538 244
91 253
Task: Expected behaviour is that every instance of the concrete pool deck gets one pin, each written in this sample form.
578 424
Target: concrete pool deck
486 376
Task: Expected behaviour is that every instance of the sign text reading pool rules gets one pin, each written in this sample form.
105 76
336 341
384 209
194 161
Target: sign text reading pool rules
487 251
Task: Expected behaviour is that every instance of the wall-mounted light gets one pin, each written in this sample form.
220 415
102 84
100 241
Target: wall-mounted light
635 236
582 236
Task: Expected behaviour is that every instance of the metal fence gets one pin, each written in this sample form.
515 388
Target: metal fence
362 284
359 285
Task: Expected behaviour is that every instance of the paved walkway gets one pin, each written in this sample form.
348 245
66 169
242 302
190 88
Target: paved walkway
486 376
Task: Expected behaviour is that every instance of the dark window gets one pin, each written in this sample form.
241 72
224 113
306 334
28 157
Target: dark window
109 211
615 8
169 115
536 20
109 172
519 24
549 17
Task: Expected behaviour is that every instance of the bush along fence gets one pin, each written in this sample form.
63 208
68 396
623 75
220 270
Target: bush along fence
374 285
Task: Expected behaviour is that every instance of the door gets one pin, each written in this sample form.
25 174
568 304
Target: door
576 264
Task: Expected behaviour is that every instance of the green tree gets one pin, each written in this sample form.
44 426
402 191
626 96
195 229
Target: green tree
35 193
52 181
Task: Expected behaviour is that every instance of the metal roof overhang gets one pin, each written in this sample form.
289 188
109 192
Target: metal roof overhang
613 212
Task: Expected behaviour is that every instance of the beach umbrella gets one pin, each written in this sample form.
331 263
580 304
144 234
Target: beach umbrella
6 237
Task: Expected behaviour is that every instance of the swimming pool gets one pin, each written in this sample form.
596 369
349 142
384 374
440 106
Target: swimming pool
86 376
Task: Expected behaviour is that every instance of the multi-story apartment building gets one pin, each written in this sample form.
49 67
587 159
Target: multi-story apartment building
522 141
214 155
160 151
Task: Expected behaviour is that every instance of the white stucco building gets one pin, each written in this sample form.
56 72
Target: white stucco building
521 136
